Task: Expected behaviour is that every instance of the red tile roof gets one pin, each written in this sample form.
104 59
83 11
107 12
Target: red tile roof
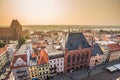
23 57
34 55
3 49
114 47
43 57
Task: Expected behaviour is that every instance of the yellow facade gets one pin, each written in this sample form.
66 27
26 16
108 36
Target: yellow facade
39 71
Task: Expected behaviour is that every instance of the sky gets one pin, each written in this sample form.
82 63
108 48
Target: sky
60 12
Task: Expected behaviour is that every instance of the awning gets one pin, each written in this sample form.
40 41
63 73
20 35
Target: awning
111 68
117 66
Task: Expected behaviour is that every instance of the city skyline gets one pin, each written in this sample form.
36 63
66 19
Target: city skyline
60 12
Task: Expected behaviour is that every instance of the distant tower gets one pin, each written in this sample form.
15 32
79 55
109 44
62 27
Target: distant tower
16 30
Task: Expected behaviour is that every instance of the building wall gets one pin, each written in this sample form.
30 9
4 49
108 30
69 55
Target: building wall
13 32
10 52
96 60
114 55
39 71
5 33
21 73
81 59
58 63
3 61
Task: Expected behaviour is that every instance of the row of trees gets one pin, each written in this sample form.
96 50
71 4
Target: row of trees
109 32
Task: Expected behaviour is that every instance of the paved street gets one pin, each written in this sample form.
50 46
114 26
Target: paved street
105 75
83 74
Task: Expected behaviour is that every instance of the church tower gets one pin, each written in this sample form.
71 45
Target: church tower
16 30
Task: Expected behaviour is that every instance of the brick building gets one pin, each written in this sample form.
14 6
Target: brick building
14 32
77 52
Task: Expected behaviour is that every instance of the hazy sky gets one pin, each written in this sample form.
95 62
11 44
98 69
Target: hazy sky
80 12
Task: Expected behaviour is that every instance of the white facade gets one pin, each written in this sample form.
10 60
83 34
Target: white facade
114 56
10 51
59 63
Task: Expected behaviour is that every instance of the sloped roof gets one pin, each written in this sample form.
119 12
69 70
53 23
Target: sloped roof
15 23
34 55
16 57
114 47
43 57
75 40
96 50
3 49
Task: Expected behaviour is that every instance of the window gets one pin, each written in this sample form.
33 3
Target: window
82 57
61 63
50 65
78 57
69 59
73 58
50 61
87 55
58 60
57 64
54 61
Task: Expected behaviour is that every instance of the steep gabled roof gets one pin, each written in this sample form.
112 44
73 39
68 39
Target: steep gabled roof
96 50
34 55
75 40
43 57
15 23
22 57
3 49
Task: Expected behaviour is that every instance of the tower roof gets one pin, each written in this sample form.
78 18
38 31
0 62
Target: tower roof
74 40
96 50
15 23
43 57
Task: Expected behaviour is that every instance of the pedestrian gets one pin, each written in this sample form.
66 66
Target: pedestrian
88 73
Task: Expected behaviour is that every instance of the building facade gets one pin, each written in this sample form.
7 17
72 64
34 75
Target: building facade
114 52
39 66
3 59
14 32
77 52
19 67
20 62
96 56
56 63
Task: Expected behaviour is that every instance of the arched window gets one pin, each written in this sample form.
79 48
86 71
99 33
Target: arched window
87 55
68 58
82 57
73 58
78 57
